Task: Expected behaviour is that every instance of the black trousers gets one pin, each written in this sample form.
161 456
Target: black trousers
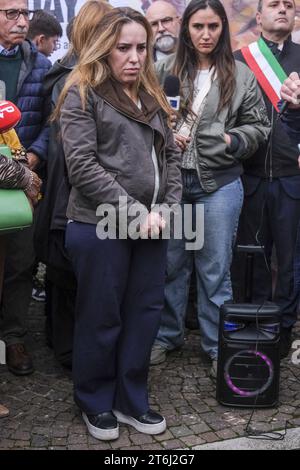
270 214
17 285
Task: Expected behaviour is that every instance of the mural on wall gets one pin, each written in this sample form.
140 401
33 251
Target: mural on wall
243 24
241 14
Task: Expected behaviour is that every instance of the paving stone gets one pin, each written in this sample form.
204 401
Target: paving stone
43 415
172 444
77 447
199 428
59 432
99 445
123 441
22 444
219 424
6 444
21 435
39 441
153 447
59 441
140 439
210 437
192 441
133 448
180 431
226 434
41 430
77 439
164 436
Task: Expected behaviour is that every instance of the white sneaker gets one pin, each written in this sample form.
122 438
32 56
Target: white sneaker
158 354
103 426
149 423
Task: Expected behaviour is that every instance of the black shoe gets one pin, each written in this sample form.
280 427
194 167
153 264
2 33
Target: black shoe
149 423
103 426
285 342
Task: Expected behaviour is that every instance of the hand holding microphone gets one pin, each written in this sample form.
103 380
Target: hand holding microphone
10 115
172 92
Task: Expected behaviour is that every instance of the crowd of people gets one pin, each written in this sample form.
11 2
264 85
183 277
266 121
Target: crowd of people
98 131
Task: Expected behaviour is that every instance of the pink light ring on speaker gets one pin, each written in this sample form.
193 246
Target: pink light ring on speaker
245 393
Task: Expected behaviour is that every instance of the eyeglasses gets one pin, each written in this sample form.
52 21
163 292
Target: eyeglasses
15 14
165 22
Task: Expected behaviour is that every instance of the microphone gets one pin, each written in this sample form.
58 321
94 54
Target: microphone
172 91
10 115
284 107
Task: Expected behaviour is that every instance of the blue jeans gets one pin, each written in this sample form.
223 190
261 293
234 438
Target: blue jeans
212 264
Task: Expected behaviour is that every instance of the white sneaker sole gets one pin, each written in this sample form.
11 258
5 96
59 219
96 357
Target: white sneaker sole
141 427
101 434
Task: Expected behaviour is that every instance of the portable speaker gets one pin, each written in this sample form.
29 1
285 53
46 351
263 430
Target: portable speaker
249 360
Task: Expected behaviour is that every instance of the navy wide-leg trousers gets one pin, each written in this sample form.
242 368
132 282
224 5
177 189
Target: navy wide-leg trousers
118 308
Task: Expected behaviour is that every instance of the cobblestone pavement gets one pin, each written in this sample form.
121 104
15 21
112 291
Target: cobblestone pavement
43 415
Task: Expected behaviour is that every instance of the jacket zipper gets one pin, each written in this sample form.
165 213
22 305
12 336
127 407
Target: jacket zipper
271 147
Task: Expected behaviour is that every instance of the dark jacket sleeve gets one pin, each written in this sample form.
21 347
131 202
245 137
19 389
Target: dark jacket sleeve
291 123
173 157
40 145
13 174
253 125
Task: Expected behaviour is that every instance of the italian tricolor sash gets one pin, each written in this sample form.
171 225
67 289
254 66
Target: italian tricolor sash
268 71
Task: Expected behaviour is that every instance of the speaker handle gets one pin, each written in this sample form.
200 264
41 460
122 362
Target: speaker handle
250 251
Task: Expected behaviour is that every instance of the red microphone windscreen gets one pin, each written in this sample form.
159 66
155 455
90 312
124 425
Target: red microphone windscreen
10 115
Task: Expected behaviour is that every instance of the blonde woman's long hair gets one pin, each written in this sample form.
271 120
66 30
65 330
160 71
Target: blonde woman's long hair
85 24
92 68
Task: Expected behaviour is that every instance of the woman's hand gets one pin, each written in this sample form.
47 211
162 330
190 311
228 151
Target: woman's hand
181 142
32 191
173 120
227 139
153 225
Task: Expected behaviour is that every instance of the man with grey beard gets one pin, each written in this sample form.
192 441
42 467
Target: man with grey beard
165 22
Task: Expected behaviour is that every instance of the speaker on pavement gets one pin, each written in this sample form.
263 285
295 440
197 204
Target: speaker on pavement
249 360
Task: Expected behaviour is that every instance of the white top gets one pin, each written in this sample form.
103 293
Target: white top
200 79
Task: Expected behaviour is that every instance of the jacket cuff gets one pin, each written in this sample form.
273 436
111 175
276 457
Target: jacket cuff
235 143
237 146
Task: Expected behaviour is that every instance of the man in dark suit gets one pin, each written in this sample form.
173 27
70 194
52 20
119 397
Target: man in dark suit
271 180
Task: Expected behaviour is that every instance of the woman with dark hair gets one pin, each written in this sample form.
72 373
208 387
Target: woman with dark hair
120 153
221 122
